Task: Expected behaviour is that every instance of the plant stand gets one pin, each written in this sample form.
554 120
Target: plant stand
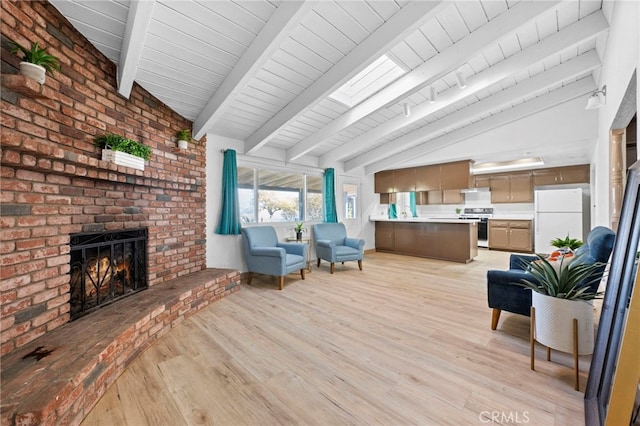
575 347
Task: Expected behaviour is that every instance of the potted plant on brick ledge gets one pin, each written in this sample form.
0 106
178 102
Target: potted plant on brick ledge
183 136
36 62
123 151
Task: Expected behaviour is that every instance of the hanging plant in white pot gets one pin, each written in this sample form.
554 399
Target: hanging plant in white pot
183 136
36 62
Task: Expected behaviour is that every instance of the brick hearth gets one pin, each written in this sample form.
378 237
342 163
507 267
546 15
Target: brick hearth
57 378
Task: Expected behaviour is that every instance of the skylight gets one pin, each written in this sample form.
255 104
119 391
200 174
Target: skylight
368 81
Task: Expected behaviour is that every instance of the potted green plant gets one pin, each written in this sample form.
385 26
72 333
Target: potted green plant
299 230
123 151
36 62
562 290
183 136
572 243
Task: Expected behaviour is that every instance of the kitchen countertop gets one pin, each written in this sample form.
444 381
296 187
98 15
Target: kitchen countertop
423 219
512 216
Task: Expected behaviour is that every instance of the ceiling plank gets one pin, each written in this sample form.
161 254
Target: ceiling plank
386 36
135 33
582 30
285 18
557 97
531 86
435 68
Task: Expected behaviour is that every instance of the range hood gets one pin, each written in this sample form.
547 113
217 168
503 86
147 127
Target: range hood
474 190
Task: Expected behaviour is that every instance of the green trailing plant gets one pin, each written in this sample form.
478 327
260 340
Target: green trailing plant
569 278
183 135
37 56
572 243
120 143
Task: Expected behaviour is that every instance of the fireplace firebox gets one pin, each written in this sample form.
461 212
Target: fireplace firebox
105 267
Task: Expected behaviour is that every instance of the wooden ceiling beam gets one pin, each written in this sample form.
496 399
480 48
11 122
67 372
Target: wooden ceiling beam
498 28
585 29
135 33
556 97
563 72
284 20
402 23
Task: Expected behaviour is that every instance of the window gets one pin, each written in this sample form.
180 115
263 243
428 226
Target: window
350 200
276 196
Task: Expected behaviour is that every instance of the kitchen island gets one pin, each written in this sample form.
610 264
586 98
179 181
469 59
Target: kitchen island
450 239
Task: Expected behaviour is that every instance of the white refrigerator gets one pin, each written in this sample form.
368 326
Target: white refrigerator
558 213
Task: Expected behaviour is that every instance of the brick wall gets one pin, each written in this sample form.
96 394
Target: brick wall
54 184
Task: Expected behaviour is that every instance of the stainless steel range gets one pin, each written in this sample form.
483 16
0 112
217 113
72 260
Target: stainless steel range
482 214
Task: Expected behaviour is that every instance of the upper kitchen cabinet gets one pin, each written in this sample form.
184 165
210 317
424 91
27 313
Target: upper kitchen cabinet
404 180
481 181
511 188
383 182
428 178
561 175
456 175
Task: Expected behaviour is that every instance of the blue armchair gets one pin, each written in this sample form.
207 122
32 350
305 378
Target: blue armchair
333 245
504 294
265 255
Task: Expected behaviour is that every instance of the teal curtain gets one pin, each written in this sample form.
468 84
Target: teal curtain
393 212
329 189
229 223
412 204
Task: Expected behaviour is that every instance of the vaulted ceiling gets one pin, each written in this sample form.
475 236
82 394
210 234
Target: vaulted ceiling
262 71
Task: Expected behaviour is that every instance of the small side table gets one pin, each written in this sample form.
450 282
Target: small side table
303 240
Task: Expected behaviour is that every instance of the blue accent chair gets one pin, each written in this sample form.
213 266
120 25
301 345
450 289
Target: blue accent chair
333 245
504 294
265 255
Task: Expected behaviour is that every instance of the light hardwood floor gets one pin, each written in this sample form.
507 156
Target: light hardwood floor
406 341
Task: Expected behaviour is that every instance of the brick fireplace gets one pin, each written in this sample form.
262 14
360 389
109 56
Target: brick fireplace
54 187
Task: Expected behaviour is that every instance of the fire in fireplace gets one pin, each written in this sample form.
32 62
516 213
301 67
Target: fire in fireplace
105 267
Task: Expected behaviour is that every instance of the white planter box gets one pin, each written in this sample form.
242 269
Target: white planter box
123 159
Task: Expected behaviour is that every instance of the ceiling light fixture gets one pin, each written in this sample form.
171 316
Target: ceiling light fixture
523 163
432 95
597 98
461 80
407 110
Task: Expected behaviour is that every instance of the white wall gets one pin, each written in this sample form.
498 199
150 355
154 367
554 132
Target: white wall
225 251
621 58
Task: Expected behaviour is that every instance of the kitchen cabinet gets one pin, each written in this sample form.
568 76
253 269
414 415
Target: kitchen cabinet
383 182
455 175
511 235
385 236
404 180
387 198
562 175
511 188
428 178
481 181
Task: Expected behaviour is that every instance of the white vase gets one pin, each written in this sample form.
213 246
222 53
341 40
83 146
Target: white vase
182 144
554 323
33 71
123 159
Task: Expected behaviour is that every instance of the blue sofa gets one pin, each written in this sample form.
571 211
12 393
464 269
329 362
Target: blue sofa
333 245
504 294
265 255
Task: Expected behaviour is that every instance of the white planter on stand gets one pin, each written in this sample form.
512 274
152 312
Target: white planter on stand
33 71
123 159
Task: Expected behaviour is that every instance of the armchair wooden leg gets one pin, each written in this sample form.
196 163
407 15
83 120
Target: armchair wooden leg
302 273
249 277
360 264
495 316
332 267
281 282
318 262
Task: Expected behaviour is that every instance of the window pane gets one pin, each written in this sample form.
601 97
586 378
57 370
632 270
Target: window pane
246 198
279 196
350 200
314 198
